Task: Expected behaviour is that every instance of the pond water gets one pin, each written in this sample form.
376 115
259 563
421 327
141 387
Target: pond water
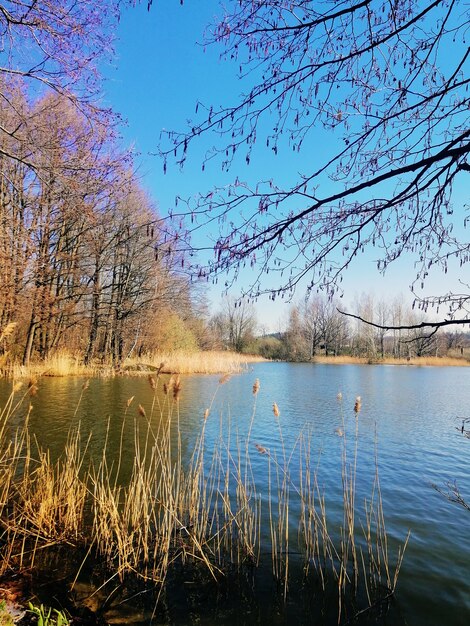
409 418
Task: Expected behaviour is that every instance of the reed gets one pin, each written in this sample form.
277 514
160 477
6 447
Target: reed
64 363
359 561
201 510
59 364
171 511
41 502
178 362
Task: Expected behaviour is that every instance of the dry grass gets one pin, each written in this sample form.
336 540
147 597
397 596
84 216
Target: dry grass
193 362
203 511
66 364
420 361
61 364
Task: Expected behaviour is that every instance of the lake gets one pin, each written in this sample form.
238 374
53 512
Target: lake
409 421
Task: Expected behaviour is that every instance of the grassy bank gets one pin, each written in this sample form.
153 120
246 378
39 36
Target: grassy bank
203 512
66 364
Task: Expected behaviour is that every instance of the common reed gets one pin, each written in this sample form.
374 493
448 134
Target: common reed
174 509
201 362
60 364
64 363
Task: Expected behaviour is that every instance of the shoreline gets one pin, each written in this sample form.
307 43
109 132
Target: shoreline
425 361
66 365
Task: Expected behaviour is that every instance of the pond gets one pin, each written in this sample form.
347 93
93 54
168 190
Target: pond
407 426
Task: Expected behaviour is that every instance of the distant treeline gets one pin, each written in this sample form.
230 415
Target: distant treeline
317 327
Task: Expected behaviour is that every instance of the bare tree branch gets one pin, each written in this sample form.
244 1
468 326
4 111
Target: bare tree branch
375 76
421 325
452 493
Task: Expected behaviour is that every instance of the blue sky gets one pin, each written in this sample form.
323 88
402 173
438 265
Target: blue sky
159 74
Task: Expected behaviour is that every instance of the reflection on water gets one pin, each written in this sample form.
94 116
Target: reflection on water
410 412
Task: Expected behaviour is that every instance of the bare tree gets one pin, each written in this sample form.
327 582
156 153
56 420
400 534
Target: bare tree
397 317
312 323
15 209
377 74
315 325
235 323
382 314
56 43
333 327
84 261
298 338
416 342
364 335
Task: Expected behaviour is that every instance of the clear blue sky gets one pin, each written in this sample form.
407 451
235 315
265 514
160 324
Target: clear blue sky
159 74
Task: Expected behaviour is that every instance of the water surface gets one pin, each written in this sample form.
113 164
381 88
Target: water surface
409 417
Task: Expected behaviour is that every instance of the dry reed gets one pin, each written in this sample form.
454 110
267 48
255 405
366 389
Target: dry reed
212 362
64 363
60 364
204 511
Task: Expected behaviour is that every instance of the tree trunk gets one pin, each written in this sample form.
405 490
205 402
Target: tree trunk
29 341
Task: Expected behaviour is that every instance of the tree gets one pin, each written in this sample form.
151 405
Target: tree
315 325
83 257
235 324
378 76
66 176
418 343
15 180
382 313
268 346
364 336
298 344
312 323
397 316
57 42
333 327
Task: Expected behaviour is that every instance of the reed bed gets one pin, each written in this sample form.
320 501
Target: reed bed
60 364
66 364
199 511
213 362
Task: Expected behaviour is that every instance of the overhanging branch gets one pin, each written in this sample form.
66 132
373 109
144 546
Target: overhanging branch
433 325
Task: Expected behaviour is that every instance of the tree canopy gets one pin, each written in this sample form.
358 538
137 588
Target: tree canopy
52 46
388 79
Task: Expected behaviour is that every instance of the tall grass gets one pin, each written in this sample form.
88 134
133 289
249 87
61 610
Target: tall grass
182 362
64 363
200 511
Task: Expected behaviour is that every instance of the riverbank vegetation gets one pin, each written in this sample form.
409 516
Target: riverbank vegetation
178 362
175 510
